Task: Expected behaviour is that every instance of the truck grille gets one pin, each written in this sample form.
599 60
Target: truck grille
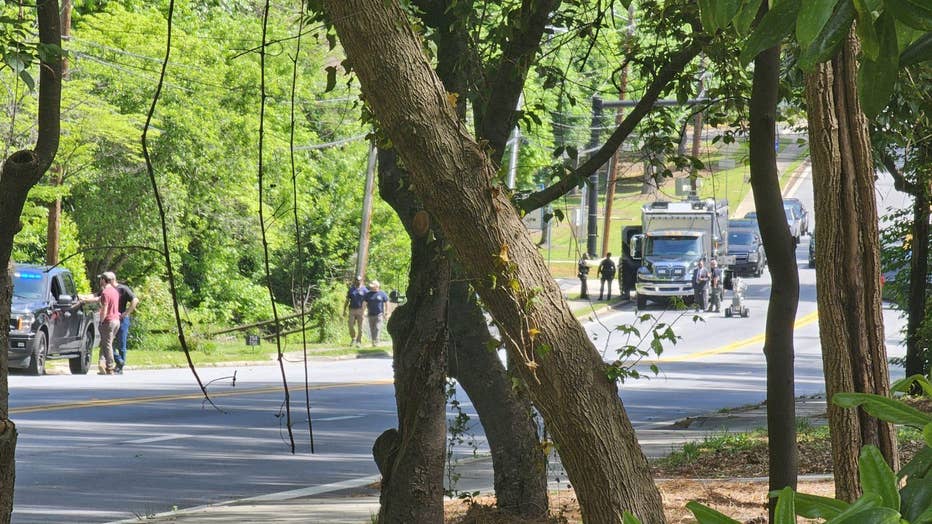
669 272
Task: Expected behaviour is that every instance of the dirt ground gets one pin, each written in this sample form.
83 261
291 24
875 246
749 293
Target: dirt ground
744 501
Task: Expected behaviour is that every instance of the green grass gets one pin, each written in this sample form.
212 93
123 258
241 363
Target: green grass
165 351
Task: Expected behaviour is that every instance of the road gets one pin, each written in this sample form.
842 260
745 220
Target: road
105 448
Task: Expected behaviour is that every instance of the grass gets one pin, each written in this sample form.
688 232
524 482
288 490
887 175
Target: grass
165 351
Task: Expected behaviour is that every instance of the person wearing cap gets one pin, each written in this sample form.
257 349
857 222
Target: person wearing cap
109 321
375 309
355 298
128 303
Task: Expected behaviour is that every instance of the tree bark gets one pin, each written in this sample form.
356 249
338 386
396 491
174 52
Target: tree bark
847 263
518 460
917 358
412 468
452 175
21 171
784 295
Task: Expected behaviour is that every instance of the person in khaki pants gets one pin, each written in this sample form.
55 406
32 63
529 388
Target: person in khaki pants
355 299
109 321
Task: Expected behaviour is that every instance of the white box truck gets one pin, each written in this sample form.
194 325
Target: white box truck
673 237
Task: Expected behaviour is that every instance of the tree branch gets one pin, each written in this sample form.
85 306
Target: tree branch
657 86
899 180
49 86
497 116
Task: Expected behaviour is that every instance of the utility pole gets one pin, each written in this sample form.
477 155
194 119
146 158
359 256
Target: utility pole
616 158
362 259
515 142
697 133
592 185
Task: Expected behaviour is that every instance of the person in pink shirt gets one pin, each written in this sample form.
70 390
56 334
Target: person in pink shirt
109 321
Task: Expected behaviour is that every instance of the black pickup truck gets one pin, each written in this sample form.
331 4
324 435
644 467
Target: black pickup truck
48 320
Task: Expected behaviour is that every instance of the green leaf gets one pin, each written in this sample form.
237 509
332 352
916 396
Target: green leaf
876 78
919 466
707 515
707 16
883 408
905 384
877 477
916 497
870 44
927 434
861 511
628 518
812 18
832 35
816 507
27 79
785 512
776 24
716 14
914 13
746 15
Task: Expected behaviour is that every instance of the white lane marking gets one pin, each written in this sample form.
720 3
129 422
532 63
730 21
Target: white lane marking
344 417
158 439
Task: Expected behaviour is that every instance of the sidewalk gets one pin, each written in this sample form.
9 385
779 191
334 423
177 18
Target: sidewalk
358 505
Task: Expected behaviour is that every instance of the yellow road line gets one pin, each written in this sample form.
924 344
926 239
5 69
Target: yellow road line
125 401
800 322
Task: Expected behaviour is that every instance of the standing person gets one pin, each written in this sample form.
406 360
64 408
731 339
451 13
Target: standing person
375 309
583 274
128 303
715 280
355 298
700 287
606 274
109 321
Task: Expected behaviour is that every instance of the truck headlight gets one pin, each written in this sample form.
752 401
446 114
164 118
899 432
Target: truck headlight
643 270
22 324
752 257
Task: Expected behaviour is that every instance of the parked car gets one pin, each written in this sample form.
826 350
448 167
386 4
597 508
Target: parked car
800 211
795 224
48 320
744 223
745 245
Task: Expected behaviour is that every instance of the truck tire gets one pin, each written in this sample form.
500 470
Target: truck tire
81 364
39 355
642 301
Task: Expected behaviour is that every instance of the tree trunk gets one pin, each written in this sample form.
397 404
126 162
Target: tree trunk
411 458
54 226
784 295
517 457
847 263
21 171
917 359
453 178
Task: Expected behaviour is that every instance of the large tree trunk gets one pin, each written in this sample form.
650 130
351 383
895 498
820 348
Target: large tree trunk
411 458
917 358
784 295
21 171
847 263
518 459
453 177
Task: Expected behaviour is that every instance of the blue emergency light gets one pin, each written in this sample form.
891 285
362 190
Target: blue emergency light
28 276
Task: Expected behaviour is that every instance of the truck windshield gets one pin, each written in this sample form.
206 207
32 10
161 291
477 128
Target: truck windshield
740 237
27 284
672 246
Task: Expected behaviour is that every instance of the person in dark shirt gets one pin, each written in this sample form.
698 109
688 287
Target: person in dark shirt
606 274
700 286
355 299
375 309
715 280
128 303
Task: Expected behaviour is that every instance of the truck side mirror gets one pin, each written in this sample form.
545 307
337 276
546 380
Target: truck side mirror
64 301
636 246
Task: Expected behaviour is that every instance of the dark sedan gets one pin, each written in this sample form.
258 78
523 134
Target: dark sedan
745 245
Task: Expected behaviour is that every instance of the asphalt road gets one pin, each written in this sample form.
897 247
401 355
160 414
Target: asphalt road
105 448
